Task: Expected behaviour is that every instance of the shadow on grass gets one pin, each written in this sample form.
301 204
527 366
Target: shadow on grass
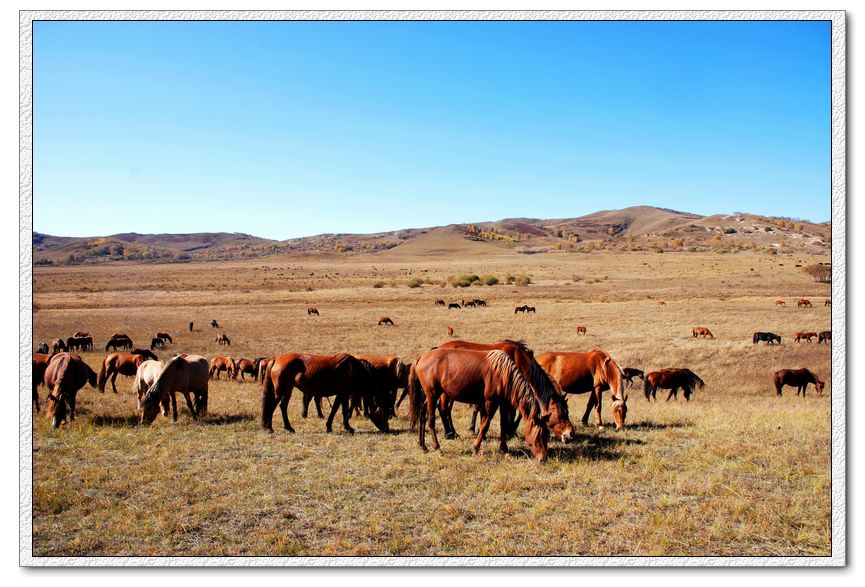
225 419
117 421
648 425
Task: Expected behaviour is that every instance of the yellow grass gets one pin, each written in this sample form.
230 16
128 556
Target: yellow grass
736 471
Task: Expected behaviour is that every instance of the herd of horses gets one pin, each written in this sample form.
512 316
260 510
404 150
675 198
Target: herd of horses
803 303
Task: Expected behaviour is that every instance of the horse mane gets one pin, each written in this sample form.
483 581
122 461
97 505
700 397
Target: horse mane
522 344
519 392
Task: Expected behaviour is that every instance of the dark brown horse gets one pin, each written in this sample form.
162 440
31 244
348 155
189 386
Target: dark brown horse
825 336
165 337
312 311
118 364
592 372
186 374
440 303
319 376
385 320
628 374
40 363
65 375
798 378
85 343
244 366
489 378
390 374
454 305
43 348
803 303
146 353
118 342
581 329
672 379
58 346
214 324
767 337
827 302
219 364
525 309
80 334
157 343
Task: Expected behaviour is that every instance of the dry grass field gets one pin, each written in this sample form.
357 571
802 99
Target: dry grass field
735 471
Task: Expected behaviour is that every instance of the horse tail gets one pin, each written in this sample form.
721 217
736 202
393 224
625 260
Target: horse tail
416 400
647 387
103 376
755 338
268 399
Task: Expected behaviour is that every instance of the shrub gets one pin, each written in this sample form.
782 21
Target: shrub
510 279
463 280
415 282
522 280
378 284
490 280
729 230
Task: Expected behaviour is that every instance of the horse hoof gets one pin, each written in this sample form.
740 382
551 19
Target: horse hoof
329 430
600 427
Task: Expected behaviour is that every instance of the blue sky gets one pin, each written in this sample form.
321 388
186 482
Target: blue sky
290 129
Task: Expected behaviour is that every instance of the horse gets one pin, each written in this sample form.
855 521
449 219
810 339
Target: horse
147 374
798 378
222 339
42 348
157 343
530 309
115 343
479 302
581 329
662 303
805 335
628 374
551 398
80 334
191 324
165 337
450 330
469 304
385 320
312 312
591 372
186 374
779 302
58 346
490 378
391 372
214 324
119 335
827 302
454 305
262 368
243 366
439 302
702 331
118 364
672 379
802 302
65 375
40 363
768 337
218 364
146 353
519 309
320 376
84 343
825 336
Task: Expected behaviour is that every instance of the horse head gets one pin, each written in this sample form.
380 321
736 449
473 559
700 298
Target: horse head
538 434
620 411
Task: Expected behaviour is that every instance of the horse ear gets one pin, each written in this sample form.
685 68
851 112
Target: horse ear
626 398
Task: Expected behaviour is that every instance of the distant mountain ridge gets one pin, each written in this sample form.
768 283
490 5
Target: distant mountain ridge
629 229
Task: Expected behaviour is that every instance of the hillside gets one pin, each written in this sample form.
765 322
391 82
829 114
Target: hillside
629 229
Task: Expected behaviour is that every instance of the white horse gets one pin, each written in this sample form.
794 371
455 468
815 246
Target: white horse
147 374
186 374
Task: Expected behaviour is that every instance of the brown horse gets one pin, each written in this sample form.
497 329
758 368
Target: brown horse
798 378
165 337
43 349
40 363
440 303
243 366
581 329
591 372
450 330
385 320
218 364
390 373
186 374
147 354
157 343
662 303
222 339
65 375
454 306
85 343
262 368
312 312
779 302
548 394
702 331
490 378
628 374
827 302
118 342
80 334
118 364
825 336
803 303
58 346
672 379
319 376
799 336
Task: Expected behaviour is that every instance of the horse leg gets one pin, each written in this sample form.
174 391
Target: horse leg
346 413
589 405
318 407
166 404
283 407
447 421
189 404
401 397
491 407
113 377
474 419
173 406
72 406
336 404
673 391
431 422
598 406
306 399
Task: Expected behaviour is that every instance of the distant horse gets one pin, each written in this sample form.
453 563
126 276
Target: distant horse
454 305
319 376
115 343
40 363
440 303
827 302
157 343
672 379
119 335
469 304
191 324
519 309
85 343
218 364
243 366
802 302
312 312
628 374
662 303
214 324
591 372
385 320
65 375
222 339
530 309
262 368
118 364
552 399
488 378
146 353
148 373
768 337
186 374
165 337
450 330
57 345
480 302
805 335
702 331
779 302
581 329
43 348
798 378
825 336
80 334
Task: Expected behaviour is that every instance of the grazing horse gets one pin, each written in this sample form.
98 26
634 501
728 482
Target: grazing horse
490 378
165 337
805 335
519 309
803 303
157 343
454 305
702 331
222 339
80 334
262 368
390 375
662 303
312 312
440 303
825 336
58 346
218 364
798 378
118 364
581 329
146 353
243 366
768 337
65 375
628 374
186 374
118 342
591 372
551 398
191 324
480 302
672 379
450 330
469 304
827 302
385 320
214 324
779 302
320 376
43 348
85 343
40 363
148 373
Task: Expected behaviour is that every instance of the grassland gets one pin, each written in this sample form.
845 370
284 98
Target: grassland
736 471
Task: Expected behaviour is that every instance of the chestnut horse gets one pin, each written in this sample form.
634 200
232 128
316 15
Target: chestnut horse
262 368
825 336
779 302
243 366
218 364
439 302
545 388
186 374
581 329
702 331
65 375
450 330
148 373
805 335
341 375
385 320
591 372
672 379
490 378
798 378
802 302
118 364
40 363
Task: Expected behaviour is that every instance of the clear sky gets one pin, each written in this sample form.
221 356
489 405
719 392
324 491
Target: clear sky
282 129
